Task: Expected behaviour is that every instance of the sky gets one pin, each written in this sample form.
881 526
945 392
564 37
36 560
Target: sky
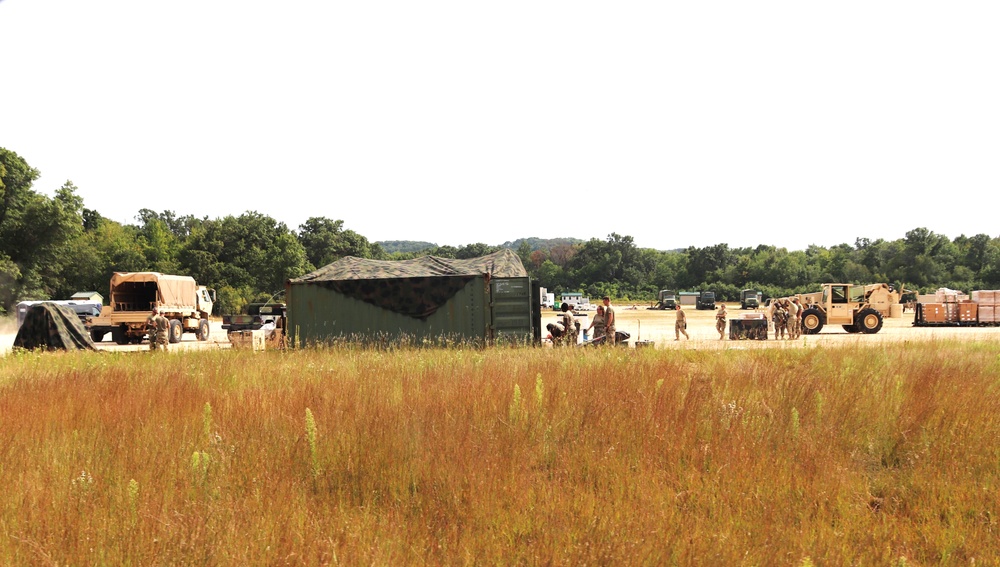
676 123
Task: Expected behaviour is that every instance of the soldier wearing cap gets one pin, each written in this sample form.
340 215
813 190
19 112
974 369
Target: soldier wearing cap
159 330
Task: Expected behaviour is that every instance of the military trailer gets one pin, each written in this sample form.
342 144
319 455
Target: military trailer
484 300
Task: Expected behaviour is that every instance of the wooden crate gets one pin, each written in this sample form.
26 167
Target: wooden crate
252 340
967 312
985 296
933 312
987 314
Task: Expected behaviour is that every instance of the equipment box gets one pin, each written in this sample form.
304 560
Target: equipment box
967 313
252 340
748 329
933 312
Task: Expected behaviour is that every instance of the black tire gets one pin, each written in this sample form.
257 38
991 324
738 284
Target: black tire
812 321
204 329
852 329
118 335
176 331
97 336
868 321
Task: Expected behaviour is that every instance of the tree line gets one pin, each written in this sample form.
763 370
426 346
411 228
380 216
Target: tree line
52 247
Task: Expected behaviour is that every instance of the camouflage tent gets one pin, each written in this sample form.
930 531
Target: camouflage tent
416 287
51 326
423 297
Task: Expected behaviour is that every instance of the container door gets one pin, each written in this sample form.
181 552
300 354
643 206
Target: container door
510 309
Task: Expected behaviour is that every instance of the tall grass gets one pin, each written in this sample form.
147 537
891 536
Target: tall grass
822 456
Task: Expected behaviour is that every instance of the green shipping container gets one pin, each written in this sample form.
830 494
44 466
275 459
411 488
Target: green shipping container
482 300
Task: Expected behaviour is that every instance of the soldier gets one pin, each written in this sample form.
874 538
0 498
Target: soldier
720 322
780 318
681 325
570 336
793 319
159 330
609 322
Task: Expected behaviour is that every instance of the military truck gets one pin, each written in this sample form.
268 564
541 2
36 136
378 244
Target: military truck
749 299
667 299
840 304
706 300
185 304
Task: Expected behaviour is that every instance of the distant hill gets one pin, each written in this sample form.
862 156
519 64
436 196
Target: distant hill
405 246
541 243
412 246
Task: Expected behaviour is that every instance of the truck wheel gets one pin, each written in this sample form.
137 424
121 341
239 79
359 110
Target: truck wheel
852 329
868 321
118 335
175 331
203 330
97 336
812 321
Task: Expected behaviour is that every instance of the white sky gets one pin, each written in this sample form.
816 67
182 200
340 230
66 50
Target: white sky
677 123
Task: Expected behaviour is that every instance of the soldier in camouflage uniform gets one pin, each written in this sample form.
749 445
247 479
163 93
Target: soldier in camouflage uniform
681 325
794 311
159 330
780 318
720 322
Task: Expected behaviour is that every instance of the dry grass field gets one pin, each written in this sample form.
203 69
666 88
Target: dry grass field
854 452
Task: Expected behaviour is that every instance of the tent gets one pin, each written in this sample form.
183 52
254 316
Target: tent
52 326
473 299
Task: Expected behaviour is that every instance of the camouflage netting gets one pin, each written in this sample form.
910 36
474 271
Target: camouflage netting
417 287
51 326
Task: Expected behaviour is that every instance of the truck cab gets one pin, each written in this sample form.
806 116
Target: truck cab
749 299
667 299
706 300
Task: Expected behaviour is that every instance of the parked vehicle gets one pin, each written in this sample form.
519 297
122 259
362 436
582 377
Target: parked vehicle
257 316
667 299
83 309
185 304
706 300
840 304
750 299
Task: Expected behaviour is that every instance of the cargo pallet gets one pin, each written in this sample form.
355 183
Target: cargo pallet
919 320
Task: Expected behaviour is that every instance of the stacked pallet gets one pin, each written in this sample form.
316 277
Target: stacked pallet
987 302
945 306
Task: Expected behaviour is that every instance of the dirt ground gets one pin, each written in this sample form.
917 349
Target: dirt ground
647 325
216 339
658 326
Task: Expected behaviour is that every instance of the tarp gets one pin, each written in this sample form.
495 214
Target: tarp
52 327
175 291
502 264
416 287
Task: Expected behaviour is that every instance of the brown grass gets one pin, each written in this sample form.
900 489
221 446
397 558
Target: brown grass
825 456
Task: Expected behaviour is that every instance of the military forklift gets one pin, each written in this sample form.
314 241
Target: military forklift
840 304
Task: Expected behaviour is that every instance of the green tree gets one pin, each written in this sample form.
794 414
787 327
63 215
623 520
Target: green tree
251 251
34 230
326 241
